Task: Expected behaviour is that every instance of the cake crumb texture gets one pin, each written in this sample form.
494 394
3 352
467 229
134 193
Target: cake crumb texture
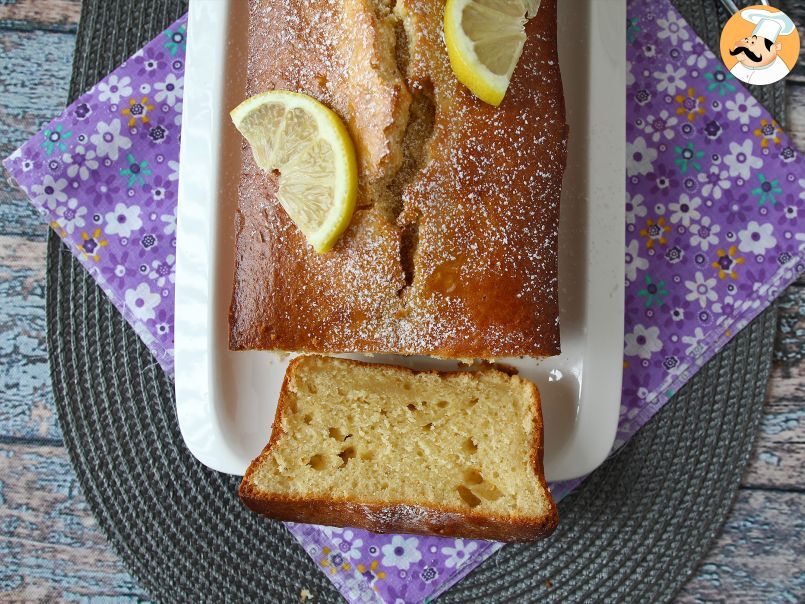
420 452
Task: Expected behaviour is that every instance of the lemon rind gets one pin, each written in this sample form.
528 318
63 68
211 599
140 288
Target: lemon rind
333 131
483 83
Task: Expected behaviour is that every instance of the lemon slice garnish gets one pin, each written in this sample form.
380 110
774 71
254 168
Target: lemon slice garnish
484 41
308 147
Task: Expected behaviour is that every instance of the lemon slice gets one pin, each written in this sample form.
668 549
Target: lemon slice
307 145
484 41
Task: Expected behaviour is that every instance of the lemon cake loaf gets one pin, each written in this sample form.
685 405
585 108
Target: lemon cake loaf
452 247
389 449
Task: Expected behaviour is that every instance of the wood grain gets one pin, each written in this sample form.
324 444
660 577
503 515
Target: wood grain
33 88
27 410
759 555
789 347
795 102
32 92
796 10
53 15
50 546
779 454
33 82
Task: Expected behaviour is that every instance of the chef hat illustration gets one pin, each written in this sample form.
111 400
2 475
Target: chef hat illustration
768 25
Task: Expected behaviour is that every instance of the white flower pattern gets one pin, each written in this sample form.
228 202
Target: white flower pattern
114 89
724 308
635 208
331 531
742 109
740 159
757 238
459 553
695 58
170 91
639 157
630 79
672 27
123 220
50 192
685 210
71 215
634 262
701 289
174 166
108 140
348 544
694 341
141 301
704 233
661 126
642 341
714 182
671 80
164 272
401 552
170 222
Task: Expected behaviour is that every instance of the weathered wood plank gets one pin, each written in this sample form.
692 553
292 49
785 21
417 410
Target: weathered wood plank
51 548
33 82
796 10
33 87
779 454
795 110
789 347
758 557
27 408
53 15
777 465
18 218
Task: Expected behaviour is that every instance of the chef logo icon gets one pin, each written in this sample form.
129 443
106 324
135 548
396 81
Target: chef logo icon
759 45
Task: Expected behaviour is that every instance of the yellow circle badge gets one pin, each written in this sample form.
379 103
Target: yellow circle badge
759 45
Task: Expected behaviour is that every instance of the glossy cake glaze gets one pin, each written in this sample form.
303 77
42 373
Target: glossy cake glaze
452 250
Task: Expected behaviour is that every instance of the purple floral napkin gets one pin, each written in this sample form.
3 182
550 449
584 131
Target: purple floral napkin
105 173
714 193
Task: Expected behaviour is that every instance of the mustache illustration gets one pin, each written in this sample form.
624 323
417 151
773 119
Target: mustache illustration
742 49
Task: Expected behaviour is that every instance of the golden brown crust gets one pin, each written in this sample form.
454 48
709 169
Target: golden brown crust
537 463
399 517
481 280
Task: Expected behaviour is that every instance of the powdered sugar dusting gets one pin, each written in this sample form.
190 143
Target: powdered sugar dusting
485 203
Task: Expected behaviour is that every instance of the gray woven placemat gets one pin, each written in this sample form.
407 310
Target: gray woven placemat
632 533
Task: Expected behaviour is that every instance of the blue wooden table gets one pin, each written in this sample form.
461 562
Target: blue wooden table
50 546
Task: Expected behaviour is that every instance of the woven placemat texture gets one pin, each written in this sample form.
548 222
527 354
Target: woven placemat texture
632 533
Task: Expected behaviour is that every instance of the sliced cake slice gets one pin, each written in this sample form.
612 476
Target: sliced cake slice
393 450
